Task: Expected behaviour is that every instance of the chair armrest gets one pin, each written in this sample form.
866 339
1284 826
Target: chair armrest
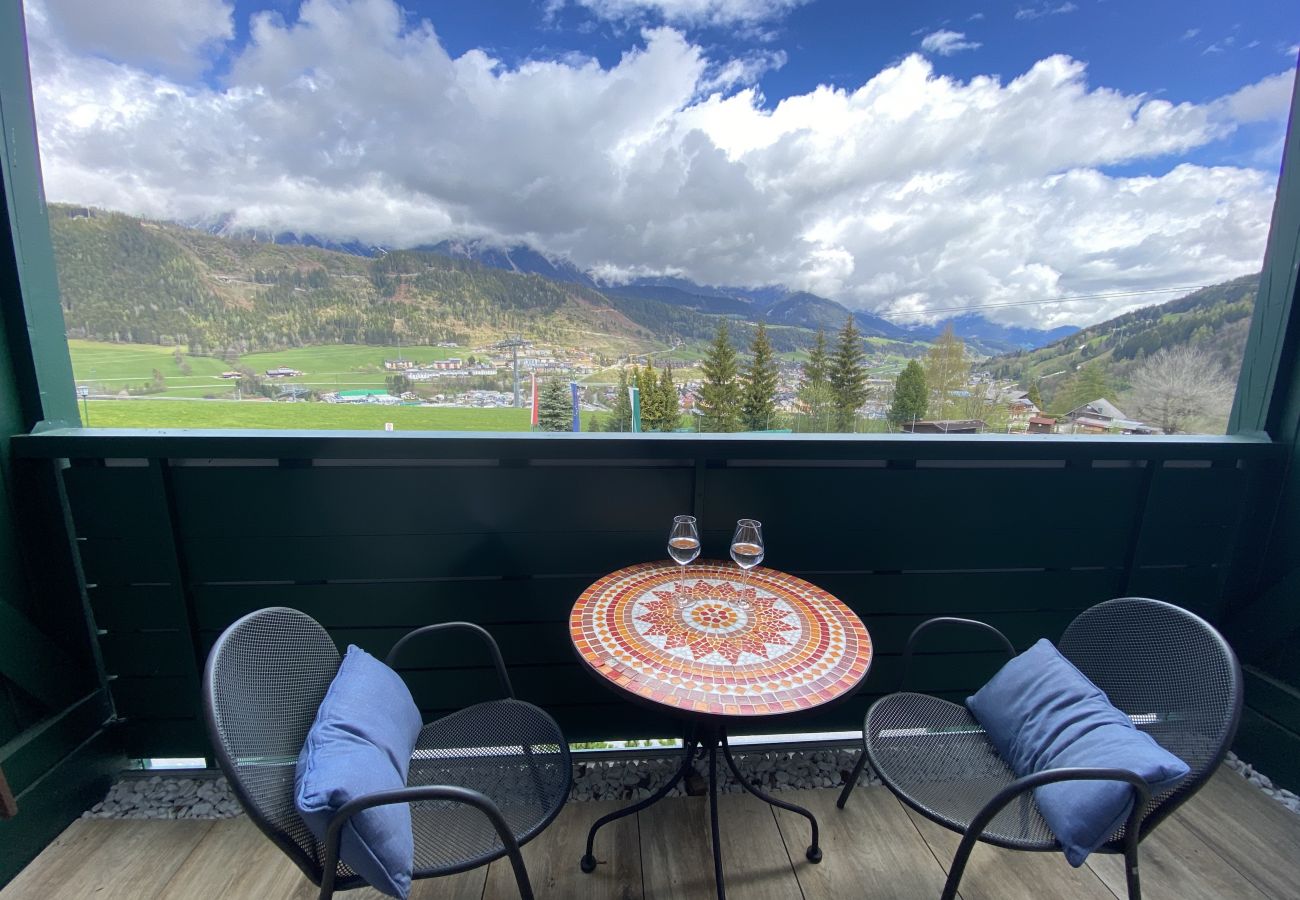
947 620
1050 776
334 832
497 661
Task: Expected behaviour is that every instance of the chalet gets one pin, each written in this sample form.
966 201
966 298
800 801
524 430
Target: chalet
282 372
1101 417
1042 425
229 375
399 365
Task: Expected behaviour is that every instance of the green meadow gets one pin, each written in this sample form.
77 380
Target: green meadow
112 368
280 414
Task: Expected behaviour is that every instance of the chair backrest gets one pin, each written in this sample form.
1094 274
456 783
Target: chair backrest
1172 673
264 681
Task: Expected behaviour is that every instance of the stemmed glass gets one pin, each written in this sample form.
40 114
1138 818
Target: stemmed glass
747 545
683 542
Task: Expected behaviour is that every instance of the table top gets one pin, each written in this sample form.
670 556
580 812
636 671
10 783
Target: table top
763 645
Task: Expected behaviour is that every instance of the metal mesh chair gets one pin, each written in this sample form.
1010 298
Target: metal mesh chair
483 781
1167 669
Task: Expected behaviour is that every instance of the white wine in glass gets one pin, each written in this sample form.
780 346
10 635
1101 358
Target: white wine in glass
683 541
747 544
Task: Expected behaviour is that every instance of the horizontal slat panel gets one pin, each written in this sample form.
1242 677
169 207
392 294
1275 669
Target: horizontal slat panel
136 607
1272 698
1188 545
179 737
969 593
157 697
117 502
795 547
889 633
917 501
146 653
117 562
396 603
1195 588
418 556
1195 496
425 500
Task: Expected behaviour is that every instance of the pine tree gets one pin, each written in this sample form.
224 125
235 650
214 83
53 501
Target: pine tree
1035 396
720 392
758 396
848 377
620 418
651 406
946 370
668 398
815 394
1086 385
911 396
554 407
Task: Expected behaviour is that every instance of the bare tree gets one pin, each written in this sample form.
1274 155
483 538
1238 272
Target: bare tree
1178 386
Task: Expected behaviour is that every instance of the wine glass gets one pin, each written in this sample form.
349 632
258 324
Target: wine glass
747 545
683 542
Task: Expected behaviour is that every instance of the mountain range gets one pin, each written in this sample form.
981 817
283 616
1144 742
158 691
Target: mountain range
774 304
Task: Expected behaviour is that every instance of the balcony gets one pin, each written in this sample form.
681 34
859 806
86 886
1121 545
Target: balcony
123 554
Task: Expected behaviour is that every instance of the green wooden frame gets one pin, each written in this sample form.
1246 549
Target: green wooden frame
29 287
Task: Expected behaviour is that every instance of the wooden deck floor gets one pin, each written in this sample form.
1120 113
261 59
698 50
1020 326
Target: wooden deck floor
1229 841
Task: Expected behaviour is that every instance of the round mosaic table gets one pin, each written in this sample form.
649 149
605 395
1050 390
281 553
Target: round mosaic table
711 642
718 646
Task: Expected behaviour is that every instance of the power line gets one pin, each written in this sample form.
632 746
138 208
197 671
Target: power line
912 315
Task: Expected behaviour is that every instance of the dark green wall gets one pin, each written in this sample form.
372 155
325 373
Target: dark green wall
1265 626
54 749
507 532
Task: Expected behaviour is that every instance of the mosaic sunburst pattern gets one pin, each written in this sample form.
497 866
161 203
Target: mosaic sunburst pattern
719 643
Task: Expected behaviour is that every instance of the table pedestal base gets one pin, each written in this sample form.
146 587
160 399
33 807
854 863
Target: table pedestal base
709 738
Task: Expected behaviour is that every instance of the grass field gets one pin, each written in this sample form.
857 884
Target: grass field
113 368
328 416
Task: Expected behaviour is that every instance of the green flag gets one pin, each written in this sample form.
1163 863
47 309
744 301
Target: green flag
635 395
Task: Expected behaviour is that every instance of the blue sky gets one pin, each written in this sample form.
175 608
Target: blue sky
897 157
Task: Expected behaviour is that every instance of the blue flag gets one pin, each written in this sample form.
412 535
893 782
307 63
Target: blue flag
573 390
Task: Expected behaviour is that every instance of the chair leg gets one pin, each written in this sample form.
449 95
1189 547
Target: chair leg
1131 871
958 866
853 780
521 874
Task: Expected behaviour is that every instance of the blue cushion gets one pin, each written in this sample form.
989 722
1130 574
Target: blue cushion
1043 713
361 743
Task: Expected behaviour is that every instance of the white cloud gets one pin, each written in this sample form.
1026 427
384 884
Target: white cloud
1026 13
1190 33
946 43
1267 100
686 12
907 192
169 36
975 17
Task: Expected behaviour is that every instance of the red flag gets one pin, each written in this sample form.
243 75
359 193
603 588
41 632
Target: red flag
534 374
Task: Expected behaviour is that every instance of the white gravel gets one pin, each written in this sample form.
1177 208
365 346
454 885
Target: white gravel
162 797
1262 781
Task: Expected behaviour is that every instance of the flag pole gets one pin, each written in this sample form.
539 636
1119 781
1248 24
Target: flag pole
534 420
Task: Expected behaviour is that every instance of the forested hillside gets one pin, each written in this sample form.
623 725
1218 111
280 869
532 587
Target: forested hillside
1214 319
126 279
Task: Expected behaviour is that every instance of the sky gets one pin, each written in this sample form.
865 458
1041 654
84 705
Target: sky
904 159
